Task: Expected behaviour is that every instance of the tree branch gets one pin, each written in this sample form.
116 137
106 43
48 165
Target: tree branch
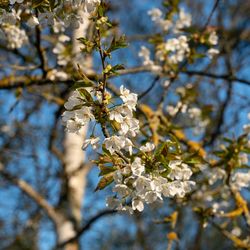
211 14
216 76
13 82
34 195
238 242
40 50
87 225
149 88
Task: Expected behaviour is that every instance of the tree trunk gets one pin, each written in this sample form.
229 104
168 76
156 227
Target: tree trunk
75 170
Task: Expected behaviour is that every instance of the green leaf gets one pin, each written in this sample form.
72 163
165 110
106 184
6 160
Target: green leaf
194 160
100 10
86 95
227 140
246 150
165 173
52 4
104 181
82 84
117 44
105 151
40 3
162 148
175 143
156 39
112 70
104 170
89 46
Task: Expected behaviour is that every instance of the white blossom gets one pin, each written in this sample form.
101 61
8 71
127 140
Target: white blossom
183 21
246 128
179 171
75 119
156 17
92 141
116 114
55 74
240 180
83 115
149 188
137 204
16 1
243 159
130 99
122 190
194 113
114 143
63 57
176 48
166 84
155 14
118 176
142 183
128 145
74 100
148 147
213 38
136 167
33 21
215 175
212 52
236 231
15 36
72 126
129 126
144 53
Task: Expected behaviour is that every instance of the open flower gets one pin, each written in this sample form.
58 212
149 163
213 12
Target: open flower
92 141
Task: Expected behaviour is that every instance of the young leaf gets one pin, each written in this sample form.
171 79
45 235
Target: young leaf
117 44
104 181
85 94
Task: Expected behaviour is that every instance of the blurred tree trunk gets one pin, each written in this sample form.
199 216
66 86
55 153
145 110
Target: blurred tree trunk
75 169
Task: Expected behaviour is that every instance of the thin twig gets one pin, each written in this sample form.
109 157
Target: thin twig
211 14
149 88
40 50
88 224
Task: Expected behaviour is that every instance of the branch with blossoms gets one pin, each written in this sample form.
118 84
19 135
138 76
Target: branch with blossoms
142 166
140 169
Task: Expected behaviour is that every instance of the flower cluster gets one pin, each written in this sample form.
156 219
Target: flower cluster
183 20
14 36
175 49
137 185
128 126
213 40
9 30
76 115
63 57
137 181
59 15
240 180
